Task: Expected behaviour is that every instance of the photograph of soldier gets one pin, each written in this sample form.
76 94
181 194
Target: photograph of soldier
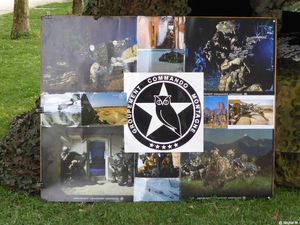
235 163
215 111
157 165
156 189
251 111
61 109
86 164
72 166
91 60
236 55
165 32
104 108
122 167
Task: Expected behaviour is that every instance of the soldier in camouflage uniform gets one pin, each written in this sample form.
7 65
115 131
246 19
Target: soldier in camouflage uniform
122 168
218 170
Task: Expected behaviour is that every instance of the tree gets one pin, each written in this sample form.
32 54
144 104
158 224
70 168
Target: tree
77 7
98 8
21 26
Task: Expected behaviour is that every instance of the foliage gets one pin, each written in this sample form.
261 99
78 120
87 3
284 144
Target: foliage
288 123
287 169
98 8
287 117
20 153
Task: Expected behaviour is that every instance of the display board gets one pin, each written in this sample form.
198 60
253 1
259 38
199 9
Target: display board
157 108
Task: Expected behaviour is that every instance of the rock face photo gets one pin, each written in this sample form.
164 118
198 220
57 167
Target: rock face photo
215 111
78 56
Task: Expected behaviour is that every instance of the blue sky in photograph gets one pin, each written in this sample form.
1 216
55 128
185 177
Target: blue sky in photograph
212 101
221 136
107 99
258 101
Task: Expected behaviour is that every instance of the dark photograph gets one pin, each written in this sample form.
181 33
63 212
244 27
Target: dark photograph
84 54
236 55
235 163
86 164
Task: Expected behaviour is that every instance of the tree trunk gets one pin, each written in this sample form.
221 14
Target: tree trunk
21 25
77 7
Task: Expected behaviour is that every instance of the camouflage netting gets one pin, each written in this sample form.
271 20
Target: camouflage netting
20 153
274 8
98 8
287 134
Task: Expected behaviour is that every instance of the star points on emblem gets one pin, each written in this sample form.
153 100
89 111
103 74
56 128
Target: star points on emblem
162 110
150 108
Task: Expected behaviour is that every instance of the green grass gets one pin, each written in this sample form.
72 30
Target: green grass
20 65
19 88
17 208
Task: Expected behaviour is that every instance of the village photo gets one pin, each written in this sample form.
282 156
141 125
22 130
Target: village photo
165 32
86 164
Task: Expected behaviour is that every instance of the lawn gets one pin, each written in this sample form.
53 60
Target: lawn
19 88
17 208
20 65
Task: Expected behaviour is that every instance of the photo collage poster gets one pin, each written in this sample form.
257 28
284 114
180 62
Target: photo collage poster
157 108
